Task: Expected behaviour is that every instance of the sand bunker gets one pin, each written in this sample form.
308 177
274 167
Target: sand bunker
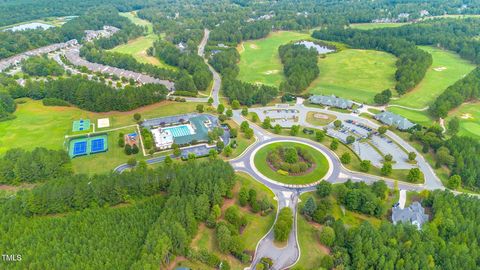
269 72
253 46
466 116
439 68
320 116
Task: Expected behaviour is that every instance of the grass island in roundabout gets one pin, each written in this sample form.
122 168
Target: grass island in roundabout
291 163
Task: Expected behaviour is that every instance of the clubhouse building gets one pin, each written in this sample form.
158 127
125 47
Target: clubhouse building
183 130
391 119
331 101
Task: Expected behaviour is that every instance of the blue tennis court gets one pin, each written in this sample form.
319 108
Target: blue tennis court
80 148
179 131
97 145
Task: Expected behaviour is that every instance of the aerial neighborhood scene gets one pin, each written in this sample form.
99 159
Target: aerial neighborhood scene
239 134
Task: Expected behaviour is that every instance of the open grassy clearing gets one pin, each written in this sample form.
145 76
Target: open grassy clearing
259 61
469 115
369 26
355 74
446 69
320 169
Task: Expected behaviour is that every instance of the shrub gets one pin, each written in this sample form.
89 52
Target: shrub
55 102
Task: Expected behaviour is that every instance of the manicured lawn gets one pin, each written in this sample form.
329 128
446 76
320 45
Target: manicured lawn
318 172
260 63
355 74
446 69
419 117
368 26
320 121
469 115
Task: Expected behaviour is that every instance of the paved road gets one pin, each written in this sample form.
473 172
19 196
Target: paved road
217 80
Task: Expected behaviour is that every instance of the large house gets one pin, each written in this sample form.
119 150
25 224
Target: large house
391 119
331 101
414 214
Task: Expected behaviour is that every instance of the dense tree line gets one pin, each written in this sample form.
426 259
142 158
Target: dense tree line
91 95
247 93
188 61
456 153
7 106
191 192
124 61
12 43
466 161
449 241
42 66
225 62
299 66
451 34
25 10
466 89
412 62
235 32
18 165
95 238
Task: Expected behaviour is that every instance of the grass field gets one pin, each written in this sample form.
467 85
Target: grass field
446 69
259 61
318 172
369 26
355 74
469 115
320 121
40 126
138 47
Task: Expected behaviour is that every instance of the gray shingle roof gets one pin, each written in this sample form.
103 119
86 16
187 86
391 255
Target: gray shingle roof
414 214
396 120
331 101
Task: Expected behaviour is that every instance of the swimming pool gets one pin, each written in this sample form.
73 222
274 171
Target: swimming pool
179 131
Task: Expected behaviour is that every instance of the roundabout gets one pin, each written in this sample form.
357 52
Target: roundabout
291 163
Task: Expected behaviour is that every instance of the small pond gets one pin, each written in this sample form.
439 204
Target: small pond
320 49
